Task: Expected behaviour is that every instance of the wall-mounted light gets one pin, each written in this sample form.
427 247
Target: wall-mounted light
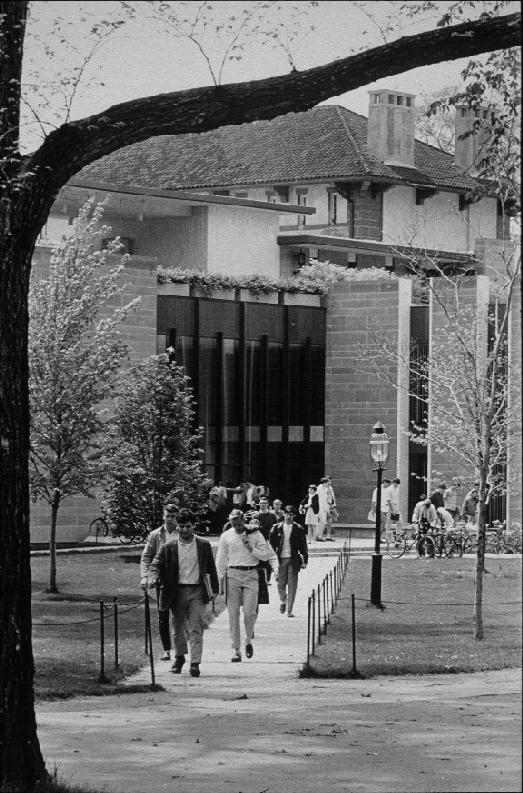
301 258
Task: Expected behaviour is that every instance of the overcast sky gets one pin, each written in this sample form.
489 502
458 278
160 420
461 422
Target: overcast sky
141 59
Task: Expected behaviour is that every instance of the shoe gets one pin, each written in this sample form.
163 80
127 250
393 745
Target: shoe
282 608
290 614
194 670
319 539
249 650
329 539
237 657
179 661
165 656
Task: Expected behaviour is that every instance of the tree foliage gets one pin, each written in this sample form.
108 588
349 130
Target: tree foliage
75 354
152 452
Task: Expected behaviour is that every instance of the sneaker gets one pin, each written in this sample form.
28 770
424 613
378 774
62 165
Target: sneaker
165 656
179 661
194 670
282 608
329 539
237 657
249 650
290 614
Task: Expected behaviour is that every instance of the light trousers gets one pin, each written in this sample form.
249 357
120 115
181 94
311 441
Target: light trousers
287 582
242 591
188 612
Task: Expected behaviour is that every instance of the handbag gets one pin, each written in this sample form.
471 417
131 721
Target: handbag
371 516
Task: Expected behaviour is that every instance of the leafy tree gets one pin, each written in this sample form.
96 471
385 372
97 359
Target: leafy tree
29 184
152 452
75 354
473 410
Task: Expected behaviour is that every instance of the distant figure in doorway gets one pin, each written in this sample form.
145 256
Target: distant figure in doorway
277 508
310 508
470 502
288 540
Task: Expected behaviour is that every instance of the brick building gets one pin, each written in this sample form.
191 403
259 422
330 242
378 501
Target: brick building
278 393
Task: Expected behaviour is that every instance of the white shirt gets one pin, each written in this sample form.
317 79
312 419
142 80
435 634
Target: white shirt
232 551
286 545
189 569
393 497
325 496
384 497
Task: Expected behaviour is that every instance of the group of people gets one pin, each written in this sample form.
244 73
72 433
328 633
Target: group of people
438 510
253 546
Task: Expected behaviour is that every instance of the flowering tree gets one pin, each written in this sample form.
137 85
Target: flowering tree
152 452
75 354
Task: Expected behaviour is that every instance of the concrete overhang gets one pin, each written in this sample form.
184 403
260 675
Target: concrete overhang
161 200
355 246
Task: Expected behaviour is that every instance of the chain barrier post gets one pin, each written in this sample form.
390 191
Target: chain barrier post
102 678
354 672
308 629
115 607
146 627
313 645
149 637
319 614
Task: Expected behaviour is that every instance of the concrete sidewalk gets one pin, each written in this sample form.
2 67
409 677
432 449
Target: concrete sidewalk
255 726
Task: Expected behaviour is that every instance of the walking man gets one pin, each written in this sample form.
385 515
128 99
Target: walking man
289 541
239 553
327 501
186 572
153 544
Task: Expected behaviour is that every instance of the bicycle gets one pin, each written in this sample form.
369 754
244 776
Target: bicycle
459 541
99 527
398 542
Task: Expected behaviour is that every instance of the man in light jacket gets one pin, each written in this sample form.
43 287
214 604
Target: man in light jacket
153 544
289 541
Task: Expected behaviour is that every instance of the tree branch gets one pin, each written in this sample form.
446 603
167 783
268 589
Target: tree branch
75 145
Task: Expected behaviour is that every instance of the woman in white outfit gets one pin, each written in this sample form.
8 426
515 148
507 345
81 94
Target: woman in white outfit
310 507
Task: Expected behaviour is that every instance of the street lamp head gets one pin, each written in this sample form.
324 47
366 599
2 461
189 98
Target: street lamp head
379 444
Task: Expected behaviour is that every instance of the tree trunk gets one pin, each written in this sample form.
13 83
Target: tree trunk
21 762
52 542
479 571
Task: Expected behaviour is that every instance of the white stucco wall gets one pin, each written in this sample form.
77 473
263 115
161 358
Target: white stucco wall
437 223
243 240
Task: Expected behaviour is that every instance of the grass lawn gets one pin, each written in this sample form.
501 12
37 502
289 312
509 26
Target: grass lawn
423 628
66 626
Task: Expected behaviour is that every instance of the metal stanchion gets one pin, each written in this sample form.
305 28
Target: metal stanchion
149 637
308 629
354 672
115 607
319 614
102 678
313 644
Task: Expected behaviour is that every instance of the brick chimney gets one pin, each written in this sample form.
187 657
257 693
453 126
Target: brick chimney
469 151
390 131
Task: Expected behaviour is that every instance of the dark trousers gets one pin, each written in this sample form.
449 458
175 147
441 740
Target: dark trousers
164 629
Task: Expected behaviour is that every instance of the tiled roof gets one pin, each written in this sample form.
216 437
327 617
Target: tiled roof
325 143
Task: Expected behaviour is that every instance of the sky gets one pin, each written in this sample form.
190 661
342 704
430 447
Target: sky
143 59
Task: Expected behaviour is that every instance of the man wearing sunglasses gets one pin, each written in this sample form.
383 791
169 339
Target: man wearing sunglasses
289 541
153 544
181 567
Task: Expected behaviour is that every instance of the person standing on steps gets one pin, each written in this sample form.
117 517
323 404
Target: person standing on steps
289 541
384 509
153 544
327 501
239 553
310 508
187 575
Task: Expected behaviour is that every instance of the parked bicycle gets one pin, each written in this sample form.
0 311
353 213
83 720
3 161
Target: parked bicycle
460 540
401 539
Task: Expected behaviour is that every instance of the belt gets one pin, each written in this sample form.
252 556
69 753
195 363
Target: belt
242 567
189 584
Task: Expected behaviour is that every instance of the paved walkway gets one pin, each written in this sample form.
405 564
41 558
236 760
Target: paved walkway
255 727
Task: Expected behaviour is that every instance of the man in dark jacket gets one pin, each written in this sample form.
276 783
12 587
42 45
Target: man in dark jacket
186 571
288 540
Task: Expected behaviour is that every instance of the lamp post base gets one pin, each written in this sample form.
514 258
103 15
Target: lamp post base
375 583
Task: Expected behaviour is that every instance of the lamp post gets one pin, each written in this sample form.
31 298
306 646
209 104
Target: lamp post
379 452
